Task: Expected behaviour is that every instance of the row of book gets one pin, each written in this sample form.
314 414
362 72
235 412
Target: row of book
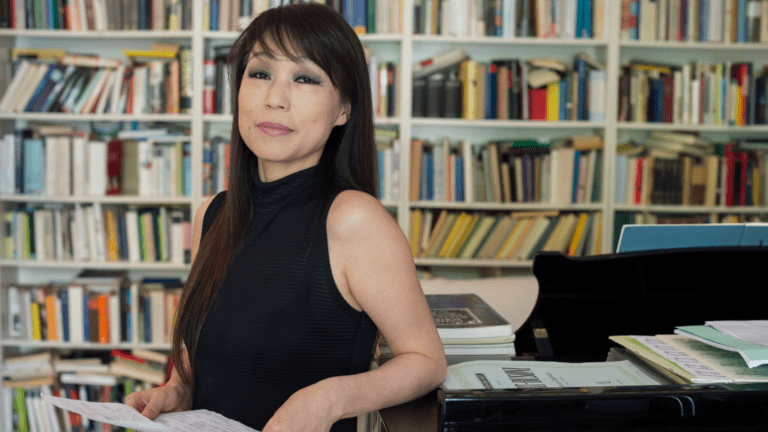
388 151
717 94
565 171
63 162
566 19
364 16
509 236
97 233
103 309
730 174
105 378
451 85
98 15
154 81
726 21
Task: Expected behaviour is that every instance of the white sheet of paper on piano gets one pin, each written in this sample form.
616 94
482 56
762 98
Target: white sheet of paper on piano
122 415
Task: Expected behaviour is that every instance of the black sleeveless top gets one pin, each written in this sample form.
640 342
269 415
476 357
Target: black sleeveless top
278 323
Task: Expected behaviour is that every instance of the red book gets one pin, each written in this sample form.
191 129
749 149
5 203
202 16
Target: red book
668 98
127 356
730 162
743 178
114 164
74 418
537 99
639 181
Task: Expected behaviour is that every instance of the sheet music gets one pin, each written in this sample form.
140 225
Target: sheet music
122 415
755 331
688 363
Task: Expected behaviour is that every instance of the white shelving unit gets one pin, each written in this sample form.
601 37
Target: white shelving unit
404 49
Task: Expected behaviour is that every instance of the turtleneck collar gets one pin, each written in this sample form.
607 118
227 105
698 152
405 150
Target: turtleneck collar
267 195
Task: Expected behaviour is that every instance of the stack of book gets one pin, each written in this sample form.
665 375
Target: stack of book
470 328
720 351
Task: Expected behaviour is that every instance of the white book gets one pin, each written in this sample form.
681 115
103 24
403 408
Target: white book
146 187
8 397
15 85
157 314
177 237
695 86
157 171
686 98
715 29
32 417
132 235
382 17
88 380
51 176
75 299
140 134
7 164
141 78
59 319
469 184
439 154
439 62
58 234
79 165
63 170
677 102
97 168
28 86
105 93
38 216
26 314
114 318
117 86
15 323
20 19
596 95
90 223
173 164
50 251
83 233
99 232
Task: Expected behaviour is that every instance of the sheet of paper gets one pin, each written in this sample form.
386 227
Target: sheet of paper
122 415
493 374
700 371
753 354
728 363
755 331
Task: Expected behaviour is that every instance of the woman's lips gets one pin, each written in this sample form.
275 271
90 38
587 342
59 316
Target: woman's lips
274 129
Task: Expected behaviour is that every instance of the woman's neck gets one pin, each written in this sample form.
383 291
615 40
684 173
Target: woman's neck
271 171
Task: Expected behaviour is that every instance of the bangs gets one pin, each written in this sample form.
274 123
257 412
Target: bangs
292 35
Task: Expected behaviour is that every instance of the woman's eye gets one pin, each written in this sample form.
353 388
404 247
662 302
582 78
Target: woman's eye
306 80
258 75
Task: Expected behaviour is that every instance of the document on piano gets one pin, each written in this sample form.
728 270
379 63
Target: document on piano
507 374
122 415
755 331
752 353
728 363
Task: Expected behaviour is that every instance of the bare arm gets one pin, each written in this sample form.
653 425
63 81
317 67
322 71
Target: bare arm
378 268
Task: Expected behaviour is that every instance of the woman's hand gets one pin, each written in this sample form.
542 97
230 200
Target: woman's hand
168 398
308 410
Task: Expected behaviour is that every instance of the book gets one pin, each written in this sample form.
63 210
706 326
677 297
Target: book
466 316
438 62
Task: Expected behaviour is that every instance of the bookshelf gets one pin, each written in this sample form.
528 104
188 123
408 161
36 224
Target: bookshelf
404 49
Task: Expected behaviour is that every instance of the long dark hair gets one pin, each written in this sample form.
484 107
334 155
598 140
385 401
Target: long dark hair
349 157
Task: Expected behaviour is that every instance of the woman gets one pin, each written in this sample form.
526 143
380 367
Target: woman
299 265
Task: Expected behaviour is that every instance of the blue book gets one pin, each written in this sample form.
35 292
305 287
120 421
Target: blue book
147 319
355 13
459 178
86 319
741 19
64 299
634 9
214 24
704 18
186 175
490 91
34 166
587 20
52 15
654 237
51 88
128 318
40 86
122 236
656 106
563 115
579 18
575 183
581 104
430 177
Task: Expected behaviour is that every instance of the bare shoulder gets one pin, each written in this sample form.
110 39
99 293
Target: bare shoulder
200 213
354 213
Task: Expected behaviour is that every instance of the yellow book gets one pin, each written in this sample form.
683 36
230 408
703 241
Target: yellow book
529 242
452 235
468 76
440 236
469 225
37 332
577 233
48 54
415 231
510 239
599 233
496 237
435 231
112 239
756 186
550 244
553 101
521 239
50 317
476 237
